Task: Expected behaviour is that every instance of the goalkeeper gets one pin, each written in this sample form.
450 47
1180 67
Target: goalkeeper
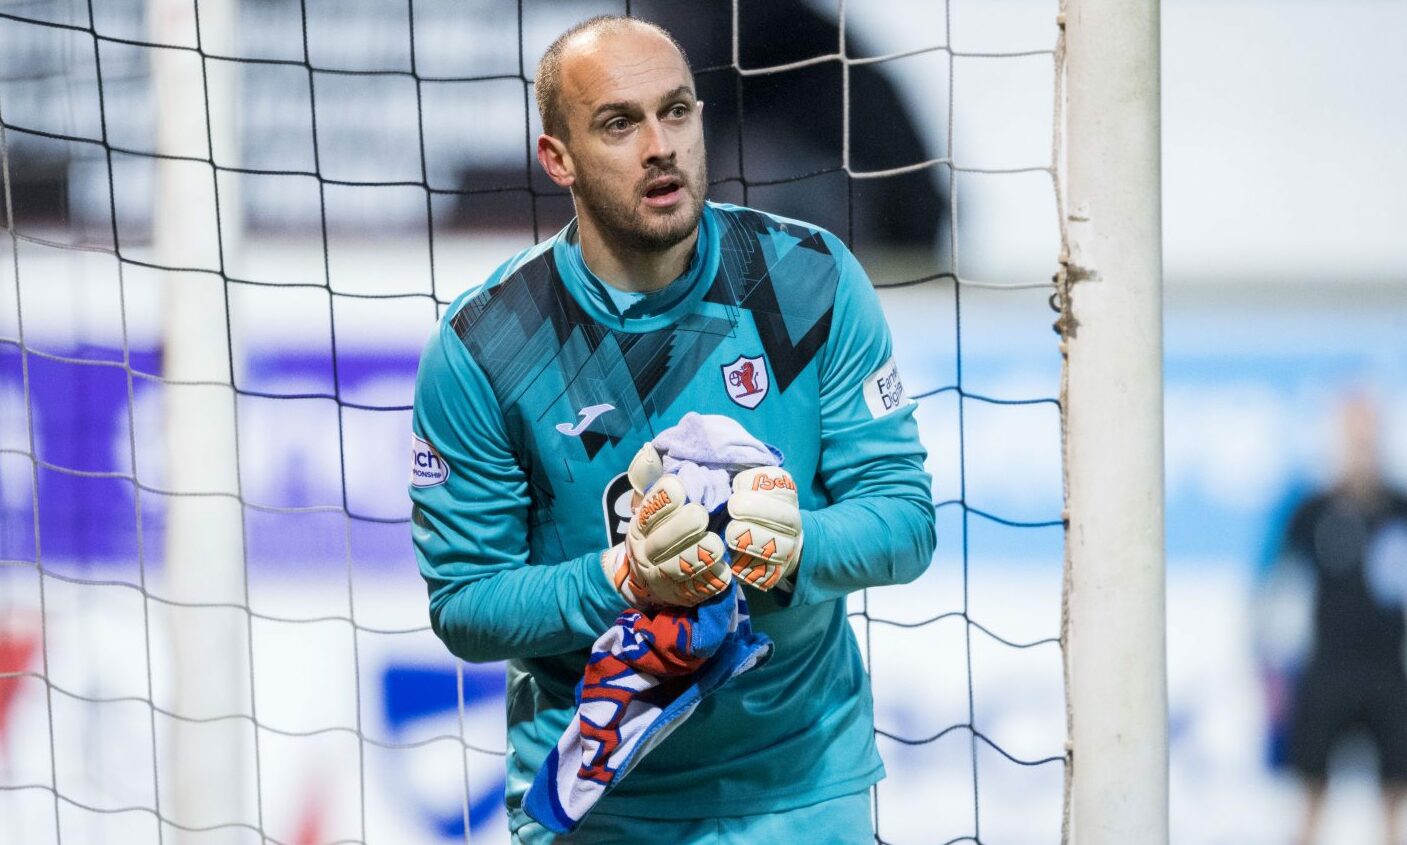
541 386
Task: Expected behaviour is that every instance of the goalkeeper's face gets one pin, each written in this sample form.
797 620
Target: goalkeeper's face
635 144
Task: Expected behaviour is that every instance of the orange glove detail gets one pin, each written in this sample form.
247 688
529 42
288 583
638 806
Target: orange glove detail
765 532
670 550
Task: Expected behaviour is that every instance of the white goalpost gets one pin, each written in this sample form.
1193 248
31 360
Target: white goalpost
1111 321
209 738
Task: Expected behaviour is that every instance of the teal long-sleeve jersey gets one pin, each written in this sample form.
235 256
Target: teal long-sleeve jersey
532 397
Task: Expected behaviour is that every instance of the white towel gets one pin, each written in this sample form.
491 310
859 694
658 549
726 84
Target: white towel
706 451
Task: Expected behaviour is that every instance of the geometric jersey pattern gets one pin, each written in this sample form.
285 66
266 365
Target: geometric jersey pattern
535 343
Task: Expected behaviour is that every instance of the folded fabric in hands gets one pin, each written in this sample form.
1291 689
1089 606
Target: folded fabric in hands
706 451
646 675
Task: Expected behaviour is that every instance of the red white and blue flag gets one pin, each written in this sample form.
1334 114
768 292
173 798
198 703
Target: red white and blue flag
618 721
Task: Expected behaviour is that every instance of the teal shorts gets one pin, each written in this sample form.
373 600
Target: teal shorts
839 821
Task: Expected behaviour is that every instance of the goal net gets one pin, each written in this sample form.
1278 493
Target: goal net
228 228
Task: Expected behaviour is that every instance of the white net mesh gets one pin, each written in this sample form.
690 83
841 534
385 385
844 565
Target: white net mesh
347 169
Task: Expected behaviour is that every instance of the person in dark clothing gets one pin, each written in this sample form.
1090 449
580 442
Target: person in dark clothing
1350 543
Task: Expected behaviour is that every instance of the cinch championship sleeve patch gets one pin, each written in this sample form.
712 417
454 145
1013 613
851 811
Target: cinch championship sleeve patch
884 392
427 468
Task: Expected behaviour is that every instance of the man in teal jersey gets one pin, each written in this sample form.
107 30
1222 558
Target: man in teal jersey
541 385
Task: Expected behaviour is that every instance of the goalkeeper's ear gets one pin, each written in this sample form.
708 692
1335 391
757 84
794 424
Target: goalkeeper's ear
556 161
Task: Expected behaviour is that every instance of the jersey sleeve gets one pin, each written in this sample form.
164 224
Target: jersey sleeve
879 528
469 518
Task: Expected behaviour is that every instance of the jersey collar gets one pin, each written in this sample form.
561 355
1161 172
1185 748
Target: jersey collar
638 312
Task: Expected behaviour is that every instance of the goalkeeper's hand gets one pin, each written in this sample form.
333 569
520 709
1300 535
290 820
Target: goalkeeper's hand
669 556
765 532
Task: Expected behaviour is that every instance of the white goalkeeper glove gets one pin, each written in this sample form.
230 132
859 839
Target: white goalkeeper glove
669 556
765 532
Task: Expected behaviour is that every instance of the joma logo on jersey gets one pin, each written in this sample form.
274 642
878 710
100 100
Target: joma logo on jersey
427 468
746 380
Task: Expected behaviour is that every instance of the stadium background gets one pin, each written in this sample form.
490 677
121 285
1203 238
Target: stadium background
1285 268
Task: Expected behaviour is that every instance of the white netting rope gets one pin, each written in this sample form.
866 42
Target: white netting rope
133 375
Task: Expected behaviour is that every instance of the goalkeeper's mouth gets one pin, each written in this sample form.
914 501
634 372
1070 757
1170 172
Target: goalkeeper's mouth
664 192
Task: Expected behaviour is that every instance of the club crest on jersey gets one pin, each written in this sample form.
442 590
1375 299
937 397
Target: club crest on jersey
746 380
427 468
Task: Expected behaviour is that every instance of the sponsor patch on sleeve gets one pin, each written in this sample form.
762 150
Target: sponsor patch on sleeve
884 392
427 468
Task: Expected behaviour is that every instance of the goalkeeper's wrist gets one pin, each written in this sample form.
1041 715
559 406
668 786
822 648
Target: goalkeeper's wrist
615 566
612 562
788 582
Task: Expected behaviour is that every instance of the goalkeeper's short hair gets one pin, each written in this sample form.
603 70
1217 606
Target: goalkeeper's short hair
548 81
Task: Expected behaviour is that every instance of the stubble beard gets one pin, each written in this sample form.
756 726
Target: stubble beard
623 225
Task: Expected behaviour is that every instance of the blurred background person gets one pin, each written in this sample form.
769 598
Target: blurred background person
1331 626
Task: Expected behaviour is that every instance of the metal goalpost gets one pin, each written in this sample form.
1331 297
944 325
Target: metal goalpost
1110 291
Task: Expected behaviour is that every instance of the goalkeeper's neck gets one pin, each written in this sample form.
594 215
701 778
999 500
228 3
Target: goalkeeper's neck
624 267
